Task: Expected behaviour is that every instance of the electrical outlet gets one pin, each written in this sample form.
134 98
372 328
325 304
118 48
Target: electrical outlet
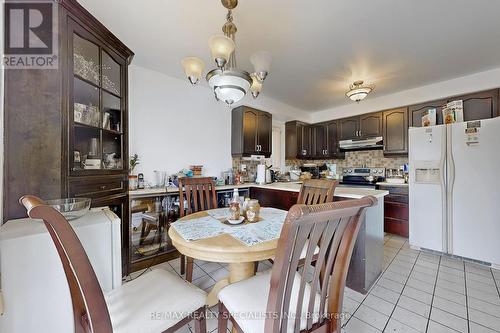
243 167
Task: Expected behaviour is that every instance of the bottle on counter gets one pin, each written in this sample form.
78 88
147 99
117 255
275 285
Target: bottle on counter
236 196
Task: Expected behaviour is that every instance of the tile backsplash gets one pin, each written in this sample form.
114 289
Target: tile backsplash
369 158
250 164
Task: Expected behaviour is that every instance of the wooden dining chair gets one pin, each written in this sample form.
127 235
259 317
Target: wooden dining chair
158 301
317 191
286 300
313 192
200 195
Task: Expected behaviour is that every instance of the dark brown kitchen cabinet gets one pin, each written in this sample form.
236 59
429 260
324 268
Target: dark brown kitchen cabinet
416 112
333 141
349 128
249 128
481 105
264 133
361 127
320 140
251 132
298 140
326 141
396 211
395 131
370 125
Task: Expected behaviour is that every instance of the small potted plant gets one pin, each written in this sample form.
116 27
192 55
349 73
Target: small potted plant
132 179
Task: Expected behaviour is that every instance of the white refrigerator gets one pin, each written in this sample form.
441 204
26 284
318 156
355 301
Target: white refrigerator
455 189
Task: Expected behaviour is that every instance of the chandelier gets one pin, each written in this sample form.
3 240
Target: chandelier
357 91
229 83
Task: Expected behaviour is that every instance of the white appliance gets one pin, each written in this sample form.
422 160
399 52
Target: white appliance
455 189
263 174
35 291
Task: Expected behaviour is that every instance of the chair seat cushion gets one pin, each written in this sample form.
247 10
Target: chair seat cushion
152 303
247 302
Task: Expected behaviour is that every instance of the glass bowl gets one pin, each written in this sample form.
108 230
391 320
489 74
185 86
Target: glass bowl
71 208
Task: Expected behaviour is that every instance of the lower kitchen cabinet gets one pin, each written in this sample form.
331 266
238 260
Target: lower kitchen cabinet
396 212
274 198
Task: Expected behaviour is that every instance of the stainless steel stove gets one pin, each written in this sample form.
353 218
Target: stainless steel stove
362 177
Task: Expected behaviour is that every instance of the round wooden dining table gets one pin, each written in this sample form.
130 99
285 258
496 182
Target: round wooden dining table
223 249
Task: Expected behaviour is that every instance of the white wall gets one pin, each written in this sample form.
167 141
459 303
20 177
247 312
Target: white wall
174 125
471 83
2 86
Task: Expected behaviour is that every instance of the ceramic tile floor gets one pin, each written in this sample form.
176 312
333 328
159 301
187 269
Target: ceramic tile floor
417 292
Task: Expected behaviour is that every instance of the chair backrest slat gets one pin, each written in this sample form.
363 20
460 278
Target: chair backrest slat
317 191
90 311
314 237
199 193
333 227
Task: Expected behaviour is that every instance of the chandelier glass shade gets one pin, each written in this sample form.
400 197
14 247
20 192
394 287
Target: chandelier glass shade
229 83
357 91
193 68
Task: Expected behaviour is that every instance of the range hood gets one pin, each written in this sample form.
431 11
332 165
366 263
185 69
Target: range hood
366 144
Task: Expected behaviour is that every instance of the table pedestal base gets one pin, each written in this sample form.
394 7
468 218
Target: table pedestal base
237 272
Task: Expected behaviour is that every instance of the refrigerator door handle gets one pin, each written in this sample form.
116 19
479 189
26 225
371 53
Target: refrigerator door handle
442 167
449 190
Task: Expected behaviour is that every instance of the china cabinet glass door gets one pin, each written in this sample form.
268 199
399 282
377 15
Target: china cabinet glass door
96 120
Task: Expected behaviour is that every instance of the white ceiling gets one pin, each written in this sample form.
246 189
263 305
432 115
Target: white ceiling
318 46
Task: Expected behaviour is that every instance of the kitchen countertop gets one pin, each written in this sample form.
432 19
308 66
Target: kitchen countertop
345 192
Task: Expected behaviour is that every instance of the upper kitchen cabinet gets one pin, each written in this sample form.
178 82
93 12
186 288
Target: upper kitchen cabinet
361 127
333 148
416 112
348 128
298 140
251 132
395 123
481 105
320 140
370 125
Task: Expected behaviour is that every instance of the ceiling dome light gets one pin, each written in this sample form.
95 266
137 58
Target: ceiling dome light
229 83
357 91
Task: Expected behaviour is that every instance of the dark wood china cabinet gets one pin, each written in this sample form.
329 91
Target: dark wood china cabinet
66 130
